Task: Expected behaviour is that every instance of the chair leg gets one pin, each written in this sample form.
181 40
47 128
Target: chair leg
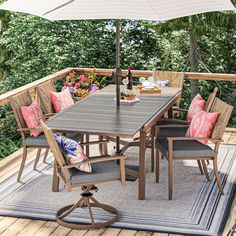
45 155
105 148
37 158
22 165
55 179
87 147
217 176
200 167
157 166
100 146
170 178
205 170
152 149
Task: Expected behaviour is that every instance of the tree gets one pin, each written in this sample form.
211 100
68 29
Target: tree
197 27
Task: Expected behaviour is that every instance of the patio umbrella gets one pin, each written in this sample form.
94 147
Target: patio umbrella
155 10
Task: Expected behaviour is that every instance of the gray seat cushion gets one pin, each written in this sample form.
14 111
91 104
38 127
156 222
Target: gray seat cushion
186 148
173 132
101 172
172 122
39 141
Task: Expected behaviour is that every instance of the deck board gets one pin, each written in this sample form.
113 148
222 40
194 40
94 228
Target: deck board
10 226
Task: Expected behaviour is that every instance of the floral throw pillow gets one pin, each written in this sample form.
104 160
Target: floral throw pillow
202 125
196 105
61 100
72 152
32 114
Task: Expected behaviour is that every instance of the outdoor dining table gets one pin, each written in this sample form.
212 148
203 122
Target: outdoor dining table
98 114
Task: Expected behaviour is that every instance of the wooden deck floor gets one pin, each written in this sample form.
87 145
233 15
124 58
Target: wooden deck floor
10 226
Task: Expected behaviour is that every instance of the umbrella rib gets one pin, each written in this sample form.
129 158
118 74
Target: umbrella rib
56 8
154 10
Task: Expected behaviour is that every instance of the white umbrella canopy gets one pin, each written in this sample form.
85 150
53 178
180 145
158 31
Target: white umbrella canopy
157 10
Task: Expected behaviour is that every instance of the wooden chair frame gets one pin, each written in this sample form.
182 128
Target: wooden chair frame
61 172
24 99
225 111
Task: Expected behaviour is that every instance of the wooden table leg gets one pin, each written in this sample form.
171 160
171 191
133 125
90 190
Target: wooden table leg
170 113
142 165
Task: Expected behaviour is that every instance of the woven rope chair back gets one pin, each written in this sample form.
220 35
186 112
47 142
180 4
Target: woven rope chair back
17 101
53 144
43 91
176 79
225 111
210 100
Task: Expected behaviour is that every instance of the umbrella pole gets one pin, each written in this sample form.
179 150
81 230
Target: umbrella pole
117 74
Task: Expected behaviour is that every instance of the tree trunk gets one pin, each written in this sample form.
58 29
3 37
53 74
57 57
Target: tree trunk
193 58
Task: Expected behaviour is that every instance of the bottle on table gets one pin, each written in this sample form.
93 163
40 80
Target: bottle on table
130 79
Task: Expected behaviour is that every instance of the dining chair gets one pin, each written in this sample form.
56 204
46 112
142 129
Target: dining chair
176 80
166 126
43 91
104 169
186 148
177 127
40 142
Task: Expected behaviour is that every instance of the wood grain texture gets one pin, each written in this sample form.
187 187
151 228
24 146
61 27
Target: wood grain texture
32 228
16 227
47 229
6 223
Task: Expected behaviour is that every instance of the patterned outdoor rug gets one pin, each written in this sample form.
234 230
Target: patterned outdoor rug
197 207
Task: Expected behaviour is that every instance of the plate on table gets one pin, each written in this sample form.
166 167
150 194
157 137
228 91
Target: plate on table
127 101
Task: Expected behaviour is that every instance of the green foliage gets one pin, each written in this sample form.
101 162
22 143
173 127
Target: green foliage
10 140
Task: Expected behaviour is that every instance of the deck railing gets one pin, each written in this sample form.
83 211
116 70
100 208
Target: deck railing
4 98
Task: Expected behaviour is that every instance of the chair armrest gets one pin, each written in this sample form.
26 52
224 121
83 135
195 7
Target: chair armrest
95 160
172 126
189 138
179 109
29 129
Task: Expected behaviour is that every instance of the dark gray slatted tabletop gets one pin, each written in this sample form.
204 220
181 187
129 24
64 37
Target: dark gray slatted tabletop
98 114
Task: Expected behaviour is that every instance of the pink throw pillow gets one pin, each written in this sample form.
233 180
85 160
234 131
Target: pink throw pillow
31 115
61 100
196 105
202 125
